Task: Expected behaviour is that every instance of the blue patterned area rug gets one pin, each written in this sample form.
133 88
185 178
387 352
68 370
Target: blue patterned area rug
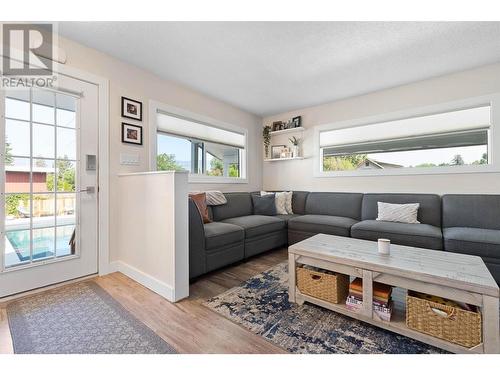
81 319
261 305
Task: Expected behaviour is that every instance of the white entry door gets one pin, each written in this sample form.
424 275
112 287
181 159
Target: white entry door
49 185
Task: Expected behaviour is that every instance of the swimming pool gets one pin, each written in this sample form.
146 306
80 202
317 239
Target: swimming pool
45 242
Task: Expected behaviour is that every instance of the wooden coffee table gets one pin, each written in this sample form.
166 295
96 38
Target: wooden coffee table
459 277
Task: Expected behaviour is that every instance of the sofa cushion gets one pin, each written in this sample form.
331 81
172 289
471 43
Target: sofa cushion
264 205
471 210
238 204
219 234
299 202
334 204
336 225
417 235
287 217
493 265
256 225
280 199
473 241
429 211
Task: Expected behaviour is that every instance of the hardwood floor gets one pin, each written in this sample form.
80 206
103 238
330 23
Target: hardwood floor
187 325
5 339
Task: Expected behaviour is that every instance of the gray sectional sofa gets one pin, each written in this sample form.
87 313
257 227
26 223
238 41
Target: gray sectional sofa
468 224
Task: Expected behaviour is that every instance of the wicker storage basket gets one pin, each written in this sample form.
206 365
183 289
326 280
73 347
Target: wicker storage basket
452 324
329 287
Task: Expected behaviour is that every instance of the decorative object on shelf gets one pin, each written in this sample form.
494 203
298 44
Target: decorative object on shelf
295 146
266 134
286 125
296 121
456 322
323 284
277 125
131 109
277 151
131 134
384 246
286 153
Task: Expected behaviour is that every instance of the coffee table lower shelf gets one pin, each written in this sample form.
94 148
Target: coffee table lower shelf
397 324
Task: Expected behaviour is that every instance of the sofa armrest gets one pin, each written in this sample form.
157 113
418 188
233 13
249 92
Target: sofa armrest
197 256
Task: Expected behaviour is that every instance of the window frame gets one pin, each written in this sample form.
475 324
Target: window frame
154 106
493 139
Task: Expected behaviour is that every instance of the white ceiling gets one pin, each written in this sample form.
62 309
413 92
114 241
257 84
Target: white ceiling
272 67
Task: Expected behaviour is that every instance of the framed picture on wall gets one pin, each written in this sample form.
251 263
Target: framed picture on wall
131 134
131 109
296 121
276 151
277 125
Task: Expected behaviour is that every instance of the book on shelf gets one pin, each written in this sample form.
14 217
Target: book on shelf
376 299
383 311
382 304
359 300
381 291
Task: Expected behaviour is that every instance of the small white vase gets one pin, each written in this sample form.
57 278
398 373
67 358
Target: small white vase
295 151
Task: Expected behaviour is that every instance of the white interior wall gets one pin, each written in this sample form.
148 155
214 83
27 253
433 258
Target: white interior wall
298 174
132 82
153 231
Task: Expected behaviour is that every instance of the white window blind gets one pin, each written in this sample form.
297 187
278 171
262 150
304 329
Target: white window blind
425 142
177 125
476 120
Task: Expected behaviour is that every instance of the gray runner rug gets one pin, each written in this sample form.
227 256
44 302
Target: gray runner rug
80 318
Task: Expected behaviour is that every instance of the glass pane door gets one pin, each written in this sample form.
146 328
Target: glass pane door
40 157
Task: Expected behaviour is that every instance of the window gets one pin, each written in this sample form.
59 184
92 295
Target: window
200 148
40 176
450 139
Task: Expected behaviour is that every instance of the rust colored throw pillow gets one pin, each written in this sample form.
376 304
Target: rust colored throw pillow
200 200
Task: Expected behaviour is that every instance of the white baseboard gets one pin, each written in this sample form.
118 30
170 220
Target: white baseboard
142 278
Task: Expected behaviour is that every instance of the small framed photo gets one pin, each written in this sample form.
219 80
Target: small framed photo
131 109
277 125
296 121
276 151
131 134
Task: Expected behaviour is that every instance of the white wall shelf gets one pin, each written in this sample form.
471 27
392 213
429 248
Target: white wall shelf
291 130
283 159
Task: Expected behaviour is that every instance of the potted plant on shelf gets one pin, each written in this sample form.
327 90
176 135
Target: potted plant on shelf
266 134
295 146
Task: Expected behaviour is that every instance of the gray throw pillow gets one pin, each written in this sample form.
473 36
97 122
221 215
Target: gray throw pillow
264 205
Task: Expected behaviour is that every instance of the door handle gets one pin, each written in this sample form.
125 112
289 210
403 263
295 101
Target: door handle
88 190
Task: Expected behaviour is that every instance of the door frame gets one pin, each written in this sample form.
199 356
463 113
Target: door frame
103 160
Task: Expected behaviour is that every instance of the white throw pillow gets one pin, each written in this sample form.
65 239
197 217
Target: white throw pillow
289 195
215 198
399 213
279 201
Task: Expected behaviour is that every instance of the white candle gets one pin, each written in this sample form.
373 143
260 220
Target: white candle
384 246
